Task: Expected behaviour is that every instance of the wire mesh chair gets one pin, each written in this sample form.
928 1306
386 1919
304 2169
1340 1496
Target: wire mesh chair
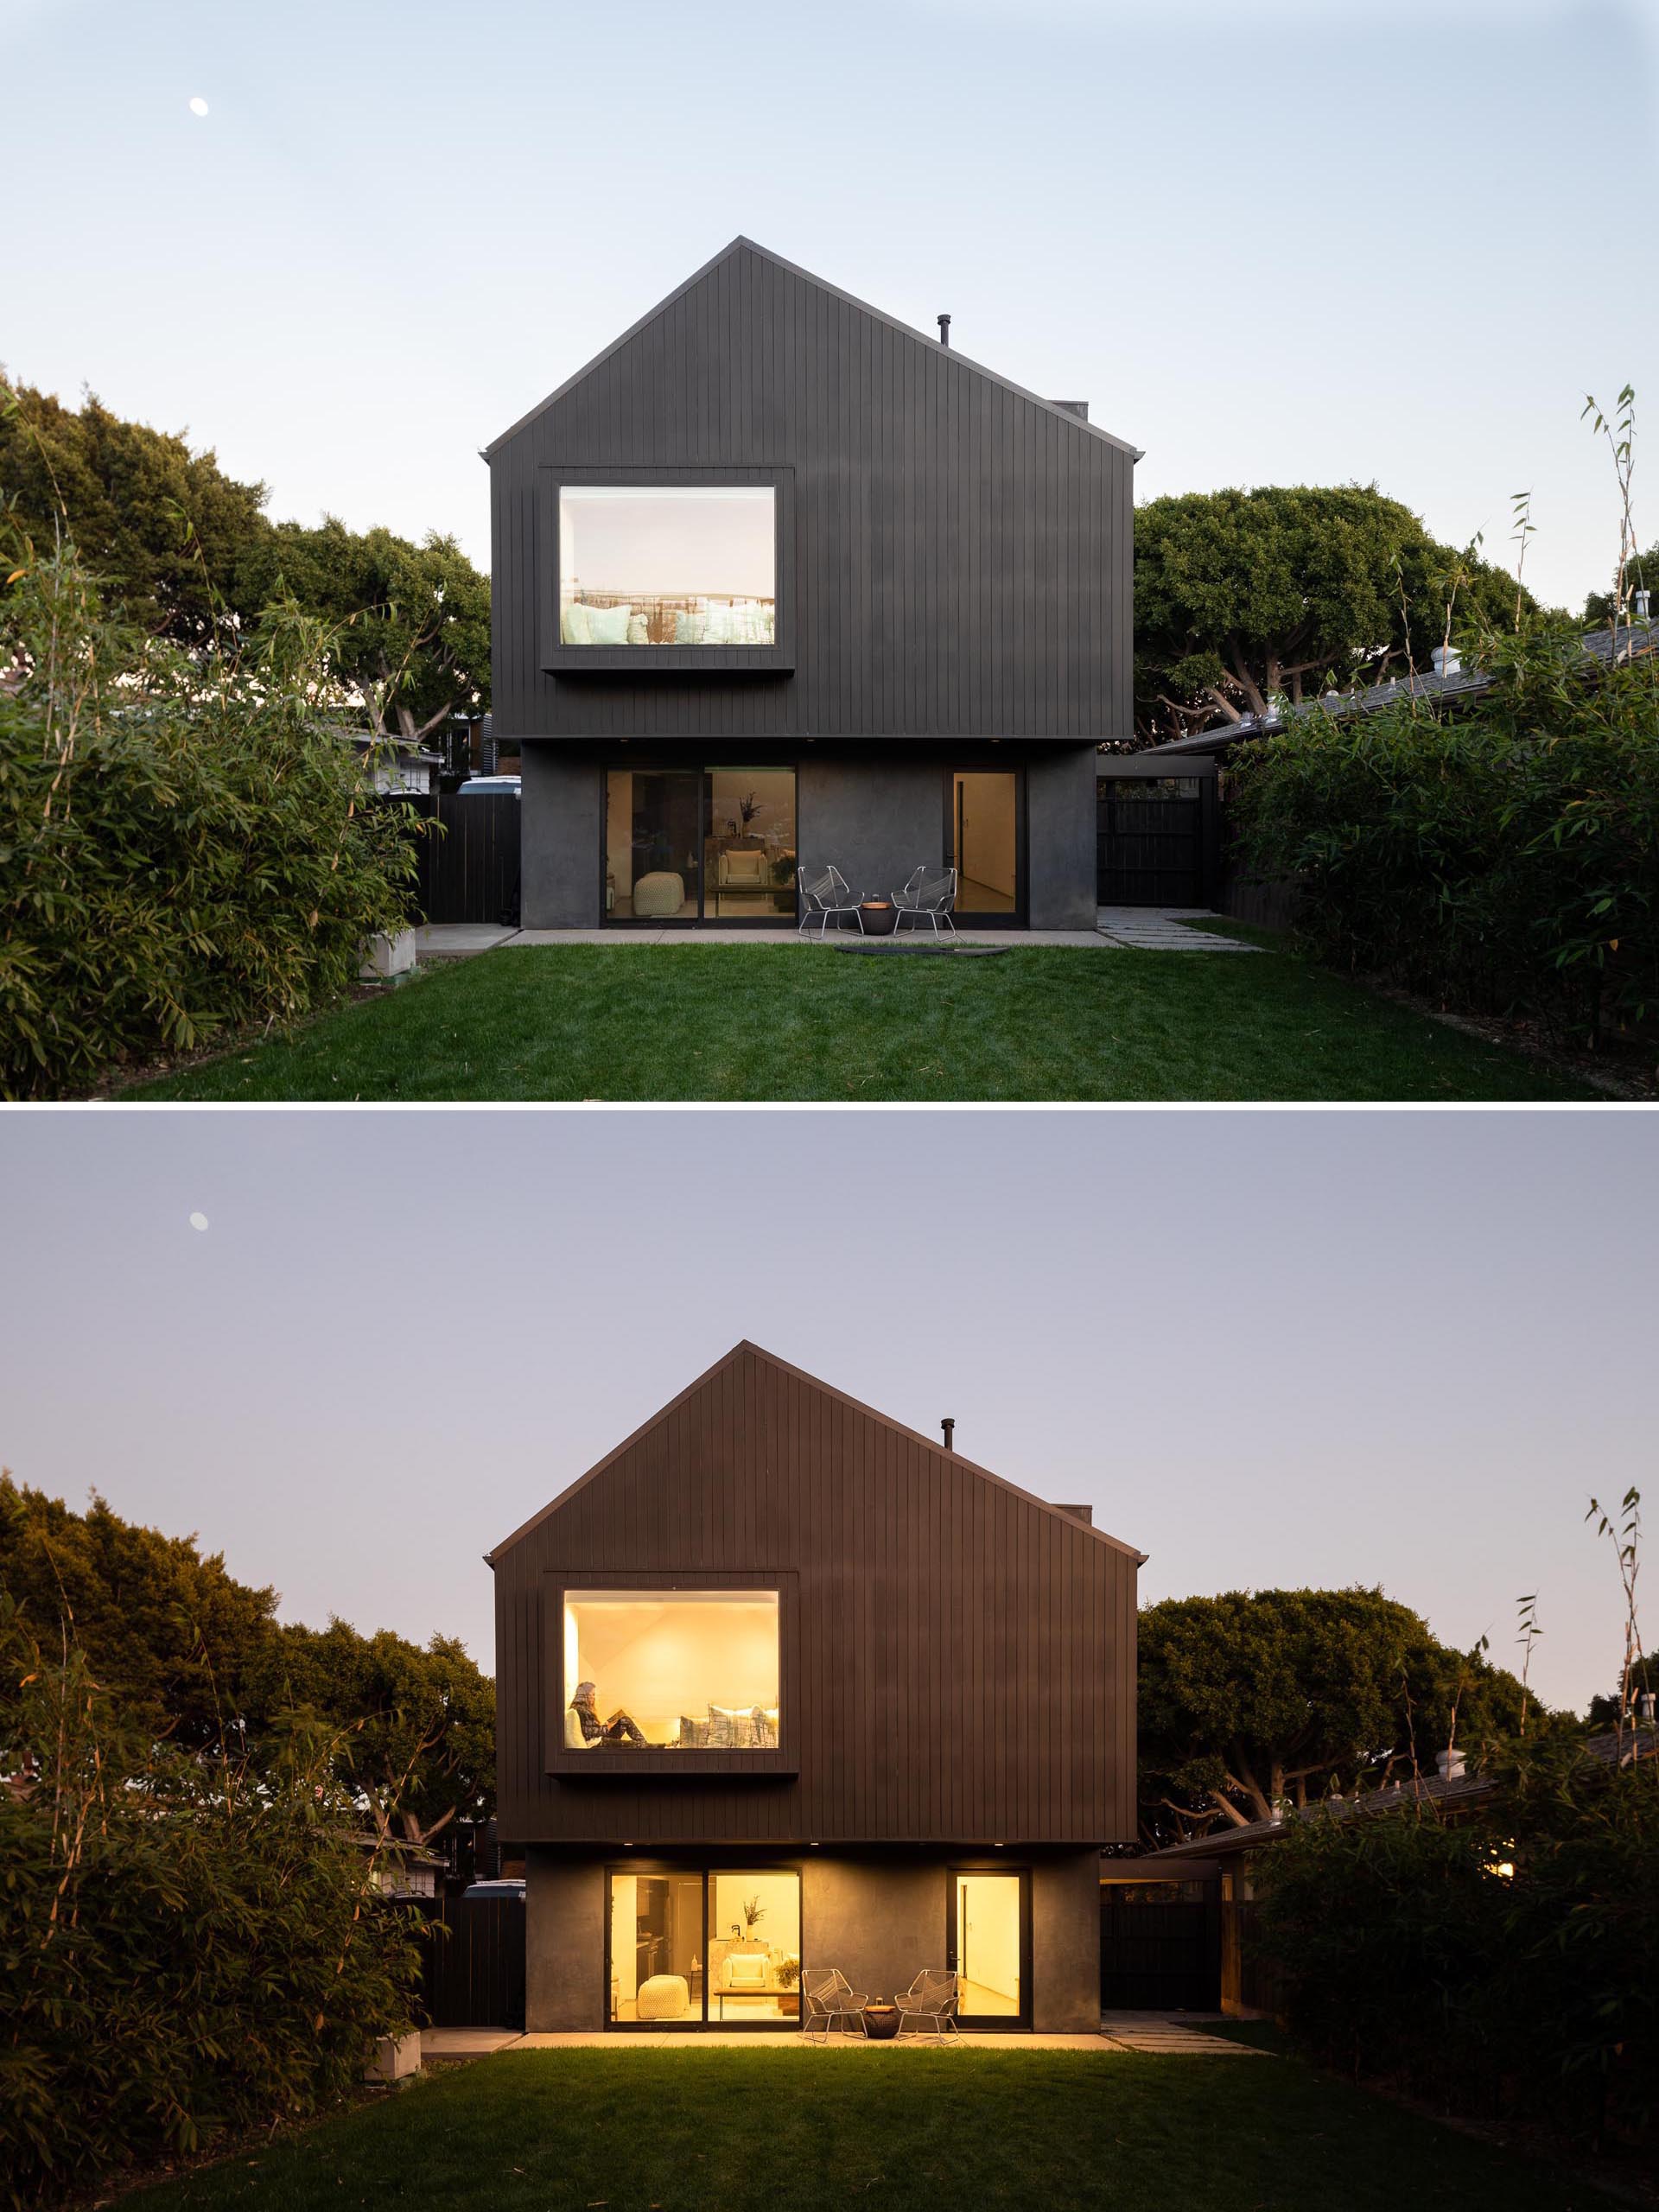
826 894
928 2006
826 1996
929 898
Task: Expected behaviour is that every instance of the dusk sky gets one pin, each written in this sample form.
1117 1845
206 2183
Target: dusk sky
1268 1348
1291 242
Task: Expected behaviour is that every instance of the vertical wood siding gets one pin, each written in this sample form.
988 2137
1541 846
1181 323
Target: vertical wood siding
967 1655
963 554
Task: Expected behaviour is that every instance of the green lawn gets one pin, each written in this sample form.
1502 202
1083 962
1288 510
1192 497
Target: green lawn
769 1022
807 2131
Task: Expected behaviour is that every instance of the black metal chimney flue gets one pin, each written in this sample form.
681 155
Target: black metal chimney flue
944 330
947 1425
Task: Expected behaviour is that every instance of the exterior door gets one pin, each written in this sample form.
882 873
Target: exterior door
984 839
988 1945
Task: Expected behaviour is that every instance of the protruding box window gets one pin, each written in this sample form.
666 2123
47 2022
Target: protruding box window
692 1671
680 565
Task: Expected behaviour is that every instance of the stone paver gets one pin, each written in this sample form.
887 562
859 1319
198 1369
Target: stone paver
466 2043
1176 2035
457 940
1160 929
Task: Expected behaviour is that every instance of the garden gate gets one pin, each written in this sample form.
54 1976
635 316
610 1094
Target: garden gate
474 1976
1159 1947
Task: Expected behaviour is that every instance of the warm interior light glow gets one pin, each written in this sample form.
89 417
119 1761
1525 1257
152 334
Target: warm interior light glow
680 1669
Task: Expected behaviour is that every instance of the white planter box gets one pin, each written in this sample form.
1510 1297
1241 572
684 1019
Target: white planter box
389 956
395 2057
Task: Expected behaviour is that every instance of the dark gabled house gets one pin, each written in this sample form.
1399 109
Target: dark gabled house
782 1685
780 582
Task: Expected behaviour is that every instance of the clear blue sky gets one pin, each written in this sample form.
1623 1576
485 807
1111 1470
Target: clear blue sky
1270 1347
1271 243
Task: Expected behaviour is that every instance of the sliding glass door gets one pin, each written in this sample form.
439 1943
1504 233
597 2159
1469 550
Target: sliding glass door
693 1948
687 845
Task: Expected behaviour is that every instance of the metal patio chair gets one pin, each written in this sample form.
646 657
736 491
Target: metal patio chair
827 894
929 898
826 1996
928 2006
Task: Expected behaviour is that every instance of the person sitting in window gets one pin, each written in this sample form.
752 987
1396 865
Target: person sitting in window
621 1728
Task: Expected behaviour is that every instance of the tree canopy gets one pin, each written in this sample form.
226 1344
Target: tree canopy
1241 597
126 489
1253 1699
195 1657
177 542
1642 573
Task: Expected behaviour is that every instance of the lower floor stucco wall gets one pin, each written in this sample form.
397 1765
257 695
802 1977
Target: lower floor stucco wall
876 812
879 1919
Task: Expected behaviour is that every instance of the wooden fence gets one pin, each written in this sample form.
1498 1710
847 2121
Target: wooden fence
469 864
1159 1947
474 1974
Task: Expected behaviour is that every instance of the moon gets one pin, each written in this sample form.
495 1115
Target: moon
198 106
198 1221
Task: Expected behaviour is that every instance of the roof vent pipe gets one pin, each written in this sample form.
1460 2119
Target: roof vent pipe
1446 660
944 330
1640 604
1450 1763
948 1430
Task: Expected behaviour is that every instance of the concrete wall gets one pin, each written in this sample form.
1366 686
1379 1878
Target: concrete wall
877 819
560 807
1065 1944
1060 837
565 1943
878 1921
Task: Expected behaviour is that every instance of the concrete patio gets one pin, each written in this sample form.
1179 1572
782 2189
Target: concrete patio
1167 2035
1146 928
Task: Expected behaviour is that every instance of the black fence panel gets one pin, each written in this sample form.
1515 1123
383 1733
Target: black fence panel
1160 1948
469 866
1152 841
474 1975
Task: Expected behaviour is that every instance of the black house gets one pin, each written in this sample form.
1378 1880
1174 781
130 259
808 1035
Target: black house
780 582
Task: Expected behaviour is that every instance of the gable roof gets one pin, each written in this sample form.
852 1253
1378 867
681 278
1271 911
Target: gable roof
1060 409
855 1405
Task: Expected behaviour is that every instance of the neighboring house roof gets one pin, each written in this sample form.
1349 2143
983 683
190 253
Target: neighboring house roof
757 1351
1063 410
1641 1741
1632 639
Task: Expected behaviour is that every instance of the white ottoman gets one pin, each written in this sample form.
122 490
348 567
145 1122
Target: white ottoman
664 1997
658 894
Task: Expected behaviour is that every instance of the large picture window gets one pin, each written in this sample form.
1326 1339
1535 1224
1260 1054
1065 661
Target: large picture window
690 1950
695 1671
689 844
676 565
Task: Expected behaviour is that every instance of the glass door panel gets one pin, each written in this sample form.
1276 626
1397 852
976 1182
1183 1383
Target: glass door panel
657 1948
652 840
984 842
749 851
988 1931
754 1948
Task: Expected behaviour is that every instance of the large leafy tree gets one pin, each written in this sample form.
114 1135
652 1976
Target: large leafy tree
180 544
1253 1700
197 1658
423 1745
127 490
1243 598
411 622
